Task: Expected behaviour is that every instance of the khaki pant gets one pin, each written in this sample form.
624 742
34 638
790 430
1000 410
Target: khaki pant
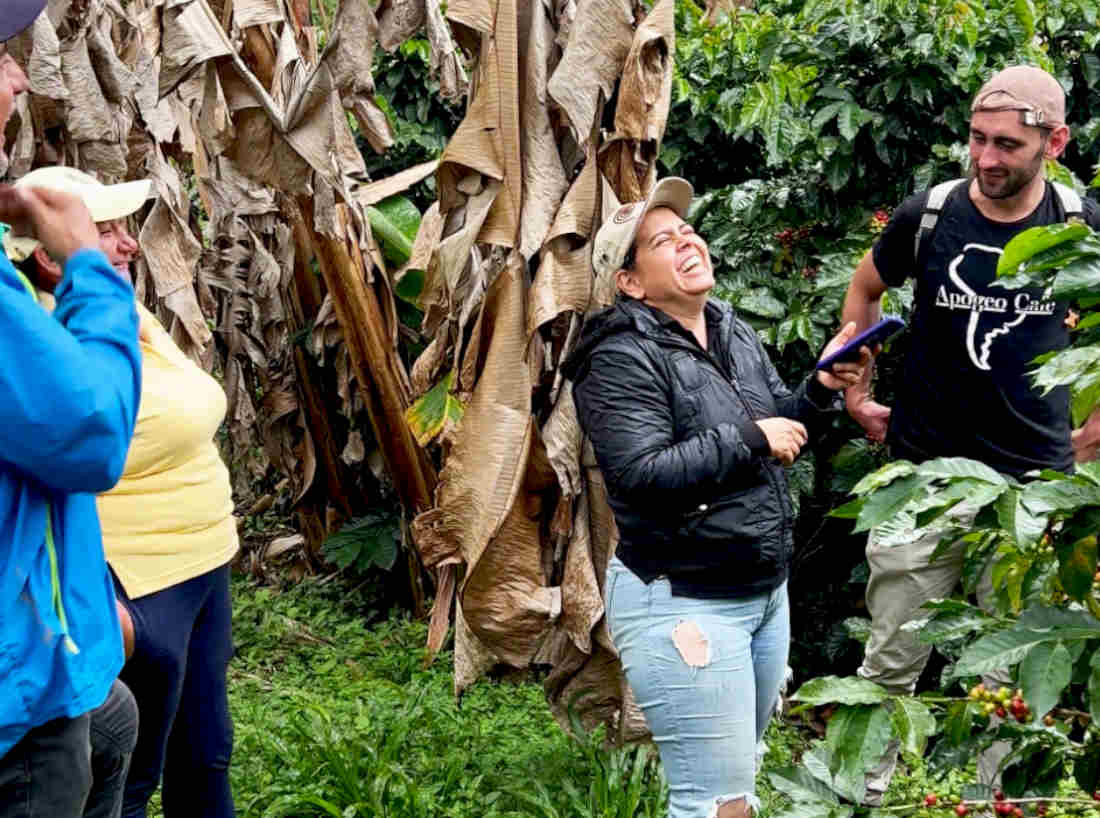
903 577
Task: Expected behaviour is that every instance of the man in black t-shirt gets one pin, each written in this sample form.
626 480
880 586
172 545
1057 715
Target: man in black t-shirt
965 389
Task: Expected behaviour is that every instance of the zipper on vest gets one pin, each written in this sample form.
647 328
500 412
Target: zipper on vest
696 348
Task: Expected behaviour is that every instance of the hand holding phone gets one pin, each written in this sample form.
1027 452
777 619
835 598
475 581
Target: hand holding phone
871 338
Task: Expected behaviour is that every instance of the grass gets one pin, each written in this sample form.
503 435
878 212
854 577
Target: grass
339 716
333 718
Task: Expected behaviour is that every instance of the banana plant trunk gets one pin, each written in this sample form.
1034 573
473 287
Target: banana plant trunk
378 369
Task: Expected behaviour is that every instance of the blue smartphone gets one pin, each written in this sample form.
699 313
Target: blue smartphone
871 337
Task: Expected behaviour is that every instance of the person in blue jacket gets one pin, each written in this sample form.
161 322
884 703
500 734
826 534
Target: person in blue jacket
70 384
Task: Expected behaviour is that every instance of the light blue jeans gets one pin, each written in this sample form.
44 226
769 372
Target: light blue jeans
706 673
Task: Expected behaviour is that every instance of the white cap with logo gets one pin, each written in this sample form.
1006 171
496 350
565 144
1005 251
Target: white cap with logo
616 235
104 202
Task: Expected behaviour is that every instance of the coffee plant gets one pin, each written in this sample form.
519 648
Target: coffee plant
801 123
1038 540
853 97
422 121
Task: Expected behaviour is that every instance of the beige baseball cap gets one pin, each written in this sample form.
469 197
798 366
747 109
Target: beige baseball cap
1024 88
104 202
617 233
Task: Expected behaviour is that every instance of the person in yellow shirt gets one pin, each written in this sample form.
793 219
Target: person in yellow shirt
169 535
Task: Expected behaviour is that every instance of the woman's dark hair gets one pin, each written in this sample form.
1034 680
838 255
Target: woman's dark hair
631 257
628 264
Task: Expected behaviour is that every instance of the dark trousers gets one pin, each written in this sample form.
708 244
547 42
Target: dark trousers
68 768
182 646
113 732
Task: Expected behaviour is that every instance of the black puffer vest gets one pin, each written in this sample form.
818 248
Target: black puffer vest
695 492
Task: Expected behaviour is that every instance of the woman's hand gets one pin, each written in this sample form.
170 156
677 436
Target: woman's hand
785 437
843 375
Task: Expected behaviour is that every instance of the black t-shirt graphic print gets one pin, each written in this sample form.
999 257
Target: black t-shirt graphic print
965 389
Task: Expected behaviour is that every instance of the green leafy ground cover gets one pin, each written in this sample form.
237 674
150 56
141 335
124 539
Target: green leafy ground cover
335 718
338 717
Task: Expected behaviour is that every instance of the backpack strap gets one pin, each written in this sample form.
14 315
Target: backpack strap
1070 199
1072 207
937 196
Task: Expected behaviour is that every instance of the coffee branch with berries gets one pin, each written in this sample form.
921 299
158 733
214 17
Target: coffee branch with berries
1000 804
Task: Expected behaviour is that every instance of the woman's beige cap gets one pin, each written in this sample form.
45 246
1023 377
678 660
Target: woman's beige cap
17 15
104 202
1024 88
616 235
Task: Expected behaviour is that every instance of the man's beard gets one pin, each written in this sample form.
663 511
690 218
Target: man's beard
1013 181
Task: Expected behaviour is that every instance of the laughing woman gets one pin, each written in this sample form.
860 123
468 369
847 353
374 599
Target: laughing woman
692 426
